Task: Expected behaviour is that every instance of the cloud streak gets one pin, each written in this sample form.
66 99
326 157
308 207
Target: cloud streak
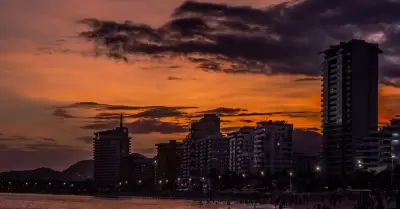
142 126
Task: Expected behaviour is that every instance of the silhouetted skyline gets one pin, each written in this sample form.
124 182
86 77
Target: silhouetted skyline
55 94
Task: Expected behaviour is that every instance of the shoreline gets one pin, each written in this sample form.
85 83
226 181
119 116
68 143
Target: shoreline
346 202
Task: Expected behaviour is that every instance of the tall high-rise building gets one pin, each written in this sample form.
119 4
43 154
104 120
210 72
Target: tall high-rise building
213 155
273 147
208 125
109 148
349 102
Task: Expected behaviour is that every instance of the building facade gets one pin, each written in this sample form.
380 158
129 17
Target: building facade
109 148
213 155
273 147
168 161
373 150
303 163
394 130
349 102
241 148
208 125
137 169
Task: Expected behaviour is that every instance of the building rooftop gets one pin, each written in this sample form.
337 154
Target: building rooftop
341 45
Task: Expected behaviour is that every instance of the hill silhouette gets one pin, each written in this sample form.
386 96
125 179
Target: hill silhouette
79 171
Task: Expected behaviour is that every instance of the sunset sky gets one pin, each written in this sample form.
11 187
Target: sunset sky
55 92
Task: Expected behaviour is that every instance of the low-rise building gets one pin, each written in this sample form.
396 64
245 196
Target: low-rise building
241 148
273 147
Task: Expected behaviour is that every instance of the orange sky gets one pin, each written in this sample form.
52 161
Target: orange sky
32 82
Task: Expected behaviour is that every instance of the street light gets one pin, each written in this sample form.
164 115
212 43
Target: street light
290 178
359 164
393 156
262 173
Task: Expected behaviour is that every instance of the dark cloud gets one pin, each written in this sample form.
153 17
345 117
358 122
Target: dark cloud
247 121
41 146
151 112
86 139
308 79
142 126
279 39
15 138
293 114
159 112
62 113
223 111
172 78
226 121
388 82
87 105
99 106
108 115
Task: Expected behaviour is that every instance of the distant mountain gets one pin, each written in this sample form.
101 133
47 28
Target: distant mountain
37 174
79 171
